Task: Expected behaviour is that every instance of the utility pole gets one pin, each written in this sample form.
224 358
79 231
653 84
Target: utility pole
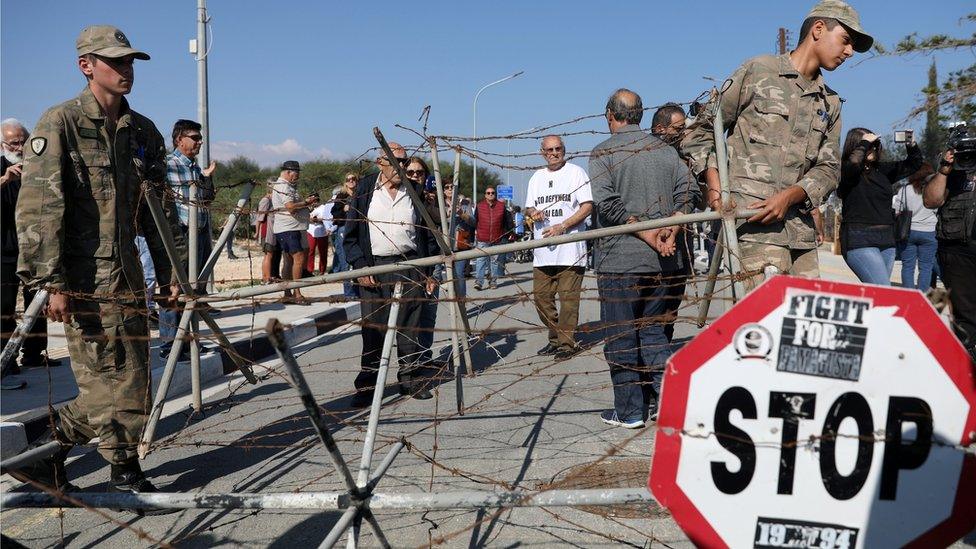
202 101
782 41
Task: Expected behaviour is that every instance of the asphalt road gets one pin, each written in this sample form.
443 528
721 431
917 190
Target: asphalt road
529 423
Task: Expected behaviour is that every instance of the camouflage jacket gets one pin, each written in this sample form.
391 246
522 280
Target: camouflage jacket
81 203
783 130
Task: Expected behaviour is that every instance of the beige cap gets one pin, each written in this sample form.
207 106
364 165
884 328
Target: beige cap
843 12
107 41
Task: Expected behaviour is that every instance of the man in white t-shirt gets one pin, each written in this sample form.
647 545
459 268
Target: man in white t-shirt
558 201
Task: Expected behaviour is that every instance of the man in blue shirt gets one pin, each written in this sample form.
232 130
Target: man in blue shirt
181 170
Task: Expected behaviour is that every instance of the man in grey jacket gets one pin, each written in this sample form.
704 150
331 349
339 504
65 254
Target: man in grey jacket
636 177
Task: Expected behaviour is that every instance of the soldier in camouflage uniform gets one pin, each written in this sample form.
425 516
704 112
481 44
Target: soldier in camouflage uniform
80 209
784 143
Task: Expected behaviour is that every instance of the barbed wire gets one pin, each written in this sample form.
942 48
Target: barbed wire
444 452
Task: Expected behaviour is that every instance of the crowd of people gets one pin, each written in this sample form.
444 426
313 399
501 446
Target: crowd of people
78 196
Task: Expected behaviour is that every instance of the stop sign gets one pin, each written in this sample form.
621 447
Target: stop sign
820 414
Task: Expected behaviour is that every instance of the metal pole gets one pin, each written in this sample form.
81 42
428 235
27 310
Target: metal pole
174 354
712 275
728 220
474 132
254 291
193 246
459 282
277 339
337 500
374 412
24 459
229 226
17 337
203 50
450 288
385 464
340 526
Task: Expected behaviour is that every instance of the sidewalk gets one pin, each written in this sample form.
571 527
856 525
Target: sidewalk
24 413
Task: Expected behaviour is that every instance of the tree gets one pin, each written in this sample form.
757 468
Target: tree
958 92
486 177
933 139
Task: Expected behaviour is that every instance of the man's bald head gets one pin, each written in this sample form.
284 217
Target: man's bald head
389 170
625 106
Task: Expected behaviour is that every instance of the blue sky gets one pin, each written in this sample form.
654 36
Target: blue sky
310 79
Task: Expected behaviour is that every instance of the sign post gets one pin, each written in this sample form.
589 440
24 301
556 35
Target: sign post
820 414
506 193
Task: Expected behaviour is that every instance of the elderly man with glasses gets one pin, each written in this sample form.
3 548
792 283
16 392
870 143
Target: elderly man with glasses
383 227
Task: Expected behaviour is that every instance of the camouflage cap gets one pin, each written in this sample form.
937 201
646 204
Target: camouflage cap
847 16
107 41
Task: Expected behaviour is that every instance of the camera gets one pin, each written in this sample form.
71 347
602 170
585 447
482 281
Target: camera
963 142
903 136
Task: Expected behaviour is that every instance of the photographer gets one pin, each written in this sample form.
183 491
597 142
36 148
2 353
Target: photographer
868 226
952 192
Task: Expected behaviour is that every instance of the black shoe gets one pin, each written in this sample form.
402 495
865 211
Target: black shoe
362 399
548 350
477 286
414 387
566 353
129 479
232 256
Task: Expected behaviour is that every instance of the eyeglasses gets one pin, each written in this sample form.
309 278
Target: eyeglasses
193 136
416 172
15 143
553 149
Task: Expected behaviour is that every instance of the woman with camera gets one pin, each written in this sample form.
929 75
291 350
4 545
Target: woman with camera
868 222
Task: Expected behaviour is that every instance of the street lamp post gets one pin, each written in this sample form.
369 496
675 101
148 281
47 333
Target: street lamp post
474 159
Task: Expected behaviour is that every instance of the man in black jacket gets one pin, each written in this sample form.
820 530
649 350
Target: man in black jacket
11 164
383 226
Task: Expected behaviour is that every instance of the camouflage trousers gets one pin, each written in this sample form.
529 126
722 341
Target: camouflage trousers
109 348
756 256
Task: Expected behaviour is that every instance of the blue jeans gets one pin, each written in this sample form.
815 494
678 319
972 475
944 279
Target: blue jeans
872 265
920 247
339 263
483 263
636 348
169 318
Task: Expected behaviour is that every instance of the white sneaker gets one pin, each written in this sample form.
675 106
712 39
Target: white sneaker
610 418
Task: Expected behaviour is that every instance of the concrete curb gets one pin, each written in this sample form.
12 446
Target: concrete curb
14 435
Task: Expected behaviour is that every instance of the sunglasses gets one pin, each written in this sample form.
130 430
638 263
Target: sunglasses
193 136
554 149
490 192
416 172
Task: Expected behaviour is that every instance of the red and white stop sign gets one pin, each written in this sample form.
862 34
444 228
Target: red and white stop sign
820 414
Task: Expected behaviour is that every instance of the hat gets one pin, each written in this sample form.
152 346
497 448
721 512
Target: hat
291 165
847 16
107 41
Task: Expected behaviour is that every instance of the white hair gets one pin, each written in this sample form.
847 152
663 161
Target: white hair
13 123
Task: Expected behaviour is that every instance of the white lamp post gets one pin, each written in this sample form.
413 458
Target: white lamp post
474 161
